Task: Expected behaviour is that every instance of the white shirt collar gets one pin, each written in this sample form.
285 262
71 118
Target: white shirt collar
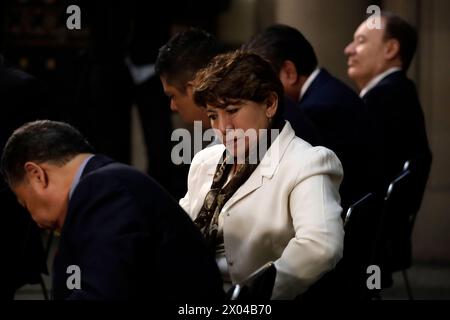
372 83
308 82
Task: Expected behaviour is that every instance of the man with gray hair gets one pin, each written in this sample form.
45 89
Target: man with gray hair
122 235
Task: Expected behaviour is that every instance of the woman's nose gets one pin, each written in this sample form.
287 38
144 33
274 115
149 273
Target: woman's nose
224 124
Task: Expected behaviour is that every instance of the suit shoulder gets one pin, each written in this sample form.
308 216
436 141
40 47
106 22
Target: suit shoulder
332 92
346 93
394 83
100 180
303 156
114 177
399 91
111 170
338 84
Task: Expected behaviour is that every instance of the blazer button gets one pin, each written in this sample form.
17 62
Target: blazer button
230 263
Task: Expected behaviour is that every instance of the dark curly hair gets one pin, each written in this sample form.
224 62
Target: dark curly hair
236 76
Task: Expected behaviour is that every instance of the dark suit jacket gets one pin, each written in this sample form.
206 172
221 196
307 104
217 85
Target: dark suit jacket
131 240
400 126
342 122
303 126
22 99
400 136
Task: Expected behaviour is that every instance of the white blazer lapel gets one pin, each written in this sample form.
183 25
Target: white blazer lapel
267 166
253 183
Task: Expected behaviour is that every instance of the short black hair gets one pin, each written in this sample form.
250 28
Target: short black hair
40 141
186 53
279 43
399 29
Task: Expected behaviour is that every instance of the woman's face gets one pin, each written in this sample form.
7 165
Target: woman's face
240 125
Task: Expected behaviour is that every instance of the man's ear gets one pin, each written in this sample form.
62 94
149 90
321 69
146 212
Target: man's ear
272 105
36 175
288 73
392 49
292 81
188 88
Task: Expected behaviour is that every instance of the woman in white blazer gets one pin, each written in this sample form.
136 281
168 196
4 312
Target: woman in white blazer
285 206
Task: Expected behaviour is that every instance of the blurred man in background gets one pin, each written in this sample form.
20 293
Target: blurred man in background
378 60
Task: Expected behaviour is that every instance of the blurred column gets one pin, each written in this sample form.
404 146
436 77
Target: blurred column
239 23
431 235
431 73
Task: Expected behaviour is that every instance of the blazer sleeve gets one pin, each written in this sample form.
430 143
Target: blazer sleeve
185 202
204 163
316 216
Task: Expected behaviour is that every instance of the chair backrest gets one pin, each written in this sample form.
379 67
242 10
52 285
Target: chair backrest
397 221
395 184
347 281
357 206
406 181
360 225
257 286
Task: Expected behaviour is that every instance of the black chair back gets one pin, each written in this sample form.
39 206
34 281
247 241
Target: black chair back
258 286
348 280
393 251
357 206
361 226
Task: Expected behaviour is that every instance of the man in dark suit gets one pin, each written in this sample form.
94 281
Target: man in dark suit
337 113
23 98
378 60
122 236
